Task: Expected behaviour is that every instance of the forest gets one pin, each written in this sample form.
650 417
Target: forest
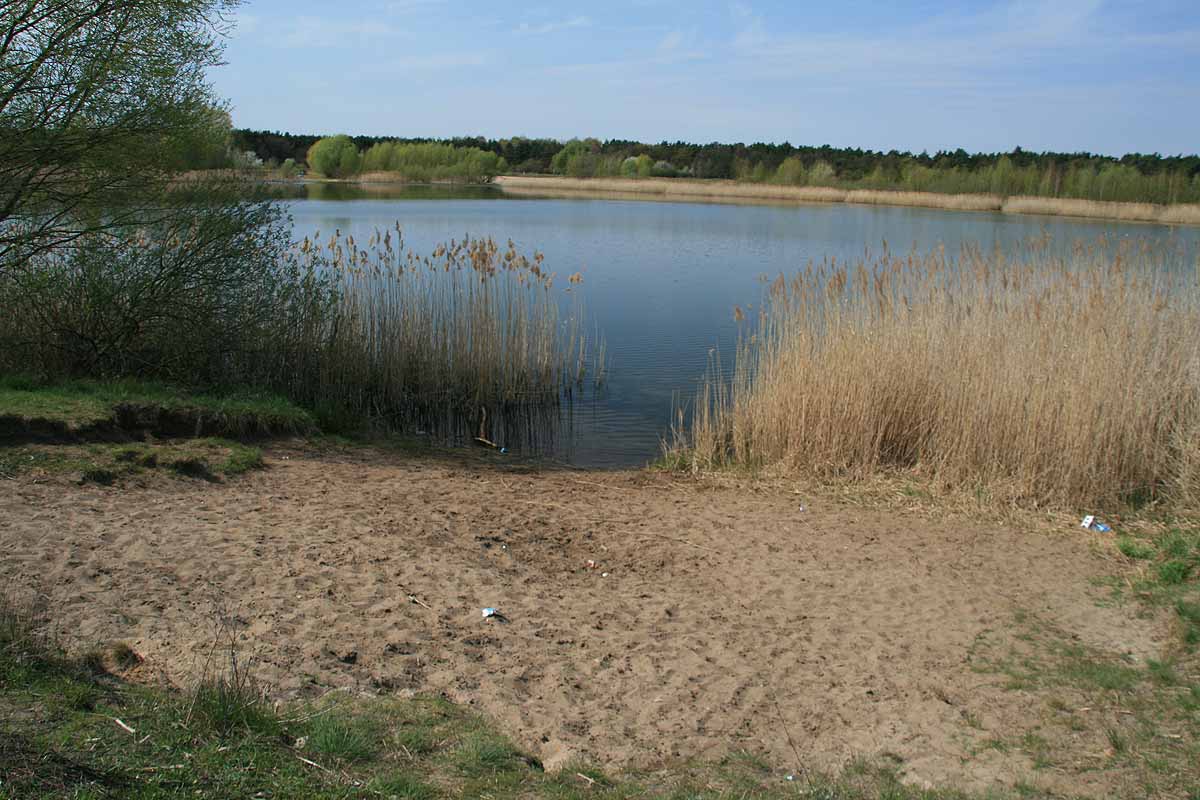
1134 177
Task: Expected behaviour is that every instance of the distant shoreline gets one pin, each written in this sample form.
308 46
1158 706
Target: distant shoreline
700 191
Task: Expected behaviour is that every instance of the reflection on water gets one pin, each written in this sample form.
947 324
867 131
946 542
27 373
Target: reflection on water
543 430
660 281
337 190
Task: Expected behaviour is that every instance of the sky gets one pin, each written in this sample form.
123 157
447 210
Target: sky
1106 76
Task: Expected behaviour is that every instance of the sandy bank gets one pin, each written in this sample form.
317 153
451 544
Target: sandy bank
716 617
690 190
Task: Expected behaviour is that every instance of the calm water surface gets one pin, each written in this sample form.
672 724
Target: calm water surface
661 279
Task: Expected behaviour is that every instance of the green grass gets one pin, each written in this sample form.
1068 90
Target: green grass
1135 549
343 737
60 737
107 464
1171 575
1106 710
77 405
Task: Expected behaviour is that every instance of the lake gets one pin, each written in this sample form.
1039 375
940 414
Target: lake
661 279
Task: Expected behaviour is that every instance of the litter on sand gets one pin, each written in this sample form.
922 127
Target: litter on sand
494 613
1092 524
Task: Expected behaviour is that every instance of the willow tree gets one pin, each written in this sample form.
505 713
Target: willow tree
97 99
111 261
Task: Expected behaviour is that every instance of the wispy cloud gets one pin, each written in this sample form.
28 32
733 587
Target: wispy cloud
526 29
307 31
671 42
399 6
432 62
945 51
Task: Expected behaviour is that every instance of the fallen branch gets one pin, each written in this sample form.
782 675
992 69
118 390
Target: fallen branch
124 727
315 764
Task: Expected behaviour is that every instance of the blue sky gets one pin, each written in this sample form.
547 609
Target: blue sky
1101 75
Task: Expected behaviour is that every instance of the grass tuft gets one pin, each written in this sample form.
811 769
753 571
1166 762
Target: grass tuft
1135 549
231 703
99 475
484 753
342 736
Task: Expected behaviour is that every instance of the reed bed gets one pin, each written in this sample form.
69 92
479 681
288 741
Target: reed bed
381 176
1035 380
471 327
676 188
738 191
1181 214
953 202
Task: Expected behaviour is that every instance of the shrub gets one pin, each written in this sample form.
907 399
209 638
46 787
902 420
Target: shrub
193 297
334 157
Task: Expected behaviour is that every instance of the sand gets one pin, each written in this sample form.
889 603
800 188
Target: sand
739 192
716 619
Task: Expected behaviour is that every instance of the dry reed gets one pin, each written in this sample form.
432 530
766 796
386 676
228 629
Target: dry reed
951 202
1036 380
469 327
691 189
1182 214
677 188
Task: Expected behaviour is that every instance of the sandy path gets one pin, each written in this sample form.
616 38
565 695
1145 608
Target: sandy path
848 628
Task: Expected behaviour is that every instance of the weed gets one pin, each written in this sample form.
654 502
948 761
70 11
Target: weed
1117 741
417 741
341 736
1080 667
123 656
77 696
484 753
1172 573
231 702
1162 672
1135 549
242 459
23 634
99 475
403 786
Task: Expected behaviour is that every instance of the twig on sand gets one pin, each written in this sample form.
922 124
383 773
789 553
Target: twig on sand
674 539
412 598
787 732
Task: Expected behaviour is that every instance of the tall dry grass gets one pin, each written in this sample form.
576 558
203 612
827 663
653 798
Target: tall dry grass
950 202
471 326
1182 214
692 189
1035 379
675 188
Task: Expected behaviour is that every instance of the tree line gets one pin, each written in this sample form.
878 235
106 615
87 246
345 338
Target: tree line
1131 177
